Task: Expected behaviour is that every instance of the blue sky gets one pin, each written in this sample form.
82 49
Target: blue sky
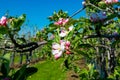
37 11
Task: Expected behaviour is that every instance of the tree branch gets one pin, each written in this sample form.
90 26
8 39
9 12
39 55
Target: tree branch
102 36
29 47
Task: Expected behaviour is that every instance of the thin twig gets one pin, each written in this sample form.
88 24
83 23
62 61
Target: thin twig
78 11
94 6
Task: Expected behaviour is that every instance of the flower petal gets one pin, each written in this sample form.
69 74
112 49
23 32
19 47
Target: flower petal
55 51
55 46
71 28
58 55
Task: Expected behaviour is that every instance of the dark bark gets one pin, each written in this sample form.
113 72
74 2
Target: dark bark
21 58
112 60
12 57
102 36
102 53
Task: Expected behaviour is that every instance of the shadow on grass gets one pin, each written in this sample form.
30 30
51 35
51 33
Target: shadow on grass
49 70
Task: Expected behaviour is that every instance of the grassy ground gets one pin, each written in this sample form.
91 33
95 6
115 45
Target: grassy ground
49 70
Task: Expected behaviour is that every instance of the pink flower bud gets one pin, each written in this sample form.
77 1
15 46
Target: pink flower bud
61 22
68 52
67 43
108 1
3 21
58 55
111 1
115 1
65 21
67 48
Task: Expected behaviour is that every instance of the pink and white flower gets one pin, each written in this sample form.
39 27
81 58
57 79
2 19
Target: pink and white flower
62 43
55 46
67 43
3 21
57 50
58 55
65 21
115 1
63 33
61 22
68 52
111 1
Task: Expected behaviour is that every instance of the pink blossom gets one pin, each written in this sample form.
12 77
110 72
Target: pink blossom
65 21
62 43
63 33
3 21
115 1
67 43
111 1
108 1
67 47
58 55
55 46
61 22
68 52
57 49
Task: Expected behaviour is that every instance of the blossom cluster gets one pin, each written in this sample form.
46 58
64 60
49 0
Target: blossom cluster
59 48
101 16
64 45
111 1
61 22
3 21
64 32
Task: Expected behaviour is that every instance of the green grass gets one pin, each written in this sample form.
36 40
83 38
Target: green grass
49 70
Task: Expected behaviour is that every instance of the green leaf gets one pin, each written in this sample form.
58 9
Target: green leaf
3 30
20 74
24 72
4 66
85 46
115 43
16 23
84 74
1 36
